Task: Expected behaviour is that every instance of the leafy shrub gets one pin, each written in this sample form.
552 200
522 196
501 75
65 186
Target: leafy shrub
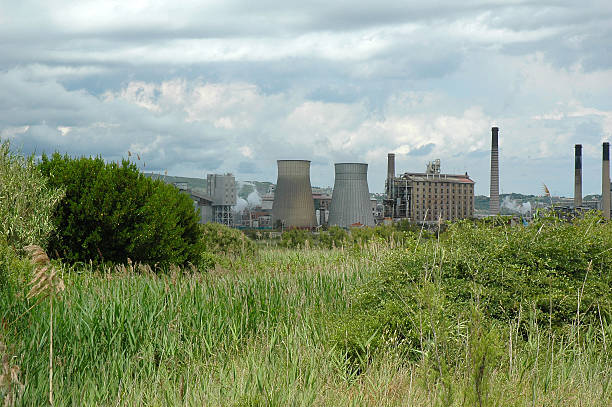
112 212
335 236
220 239
27 200
556 273
297 238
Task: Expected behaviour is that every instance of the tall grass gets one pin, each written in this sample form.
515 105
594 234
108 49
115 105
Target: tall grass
259 334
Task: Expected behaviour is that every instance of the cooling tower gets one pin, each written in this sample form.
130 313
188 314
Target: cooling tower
578 176
494 192
293 204
605 181
350 205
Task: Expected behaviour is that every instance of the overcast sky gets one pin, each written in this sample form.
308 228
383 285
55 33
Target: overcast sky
196 87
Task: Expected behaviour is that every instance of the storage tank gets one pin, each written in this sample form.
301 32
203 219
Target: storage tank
293 204
350 203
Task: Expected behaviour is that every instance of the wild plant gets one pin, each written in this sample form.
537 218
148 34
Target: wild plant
46 283
10 386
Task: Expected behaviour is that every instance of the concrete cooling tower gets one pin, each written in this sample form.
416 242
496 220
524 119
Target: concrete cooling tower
293 204
350 203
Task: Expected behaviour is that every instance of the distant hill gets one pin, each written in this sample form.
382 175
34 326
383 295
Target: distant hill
197 184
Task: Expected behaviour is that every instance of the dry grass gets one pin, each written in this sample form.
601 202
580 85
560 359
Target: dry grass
10 386
46 283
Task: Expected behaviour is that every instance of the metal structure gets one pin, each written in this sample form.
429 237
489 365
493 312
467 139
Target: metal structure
578 175
605 181
350 205
293 204
222 189
494 191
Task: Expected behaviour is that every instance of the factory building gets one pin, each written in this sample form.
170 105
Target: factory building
216 203
322 203
428 196
222 189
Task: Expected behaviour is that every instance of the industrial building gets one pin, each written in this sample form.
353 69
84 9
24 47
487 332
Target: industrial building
222 189
429 196
351 205
216 204
322 203
293 205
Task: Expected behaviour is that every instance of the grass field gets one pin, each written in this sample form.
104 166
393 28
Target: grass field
259 333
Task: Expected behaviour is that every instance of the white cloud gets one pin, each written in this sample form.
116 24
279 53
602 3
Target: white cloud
218 86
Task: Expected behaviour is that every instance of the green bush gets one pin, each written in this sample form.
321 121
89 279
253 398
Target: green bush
112 212
297 238
335 236
551 273
27 200
219 239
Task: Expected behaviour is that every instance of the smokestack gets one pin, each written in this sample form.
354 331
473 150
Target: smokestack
293 204
390 174
390 165
351 198
578 176
494 191
605 181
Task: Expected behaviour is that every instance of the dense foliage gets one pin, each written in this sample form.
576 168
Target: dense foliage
27 200
552 274
221 244
112 212
337 237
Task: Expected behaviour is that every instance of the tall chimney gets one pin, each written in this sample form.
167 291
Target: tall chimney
578 176
605 181
494 191
390 174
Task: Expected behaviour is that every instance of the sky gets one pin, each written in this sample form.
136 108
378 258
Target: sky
197 87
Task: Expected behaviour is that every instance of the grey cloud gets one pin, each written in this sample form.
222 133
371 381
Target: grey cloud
423 150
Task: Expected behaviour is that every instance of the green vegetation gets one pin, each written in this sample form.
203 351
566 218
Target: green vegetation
112 212
27 200
554 275
221 245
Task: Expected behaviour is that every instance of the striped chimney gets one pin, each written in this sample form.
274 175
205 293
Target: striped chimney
605 181
578 175
494 191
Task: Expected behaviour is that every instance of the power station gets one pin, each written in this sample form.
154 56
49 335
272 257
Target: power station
421 197
293 205
350 205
